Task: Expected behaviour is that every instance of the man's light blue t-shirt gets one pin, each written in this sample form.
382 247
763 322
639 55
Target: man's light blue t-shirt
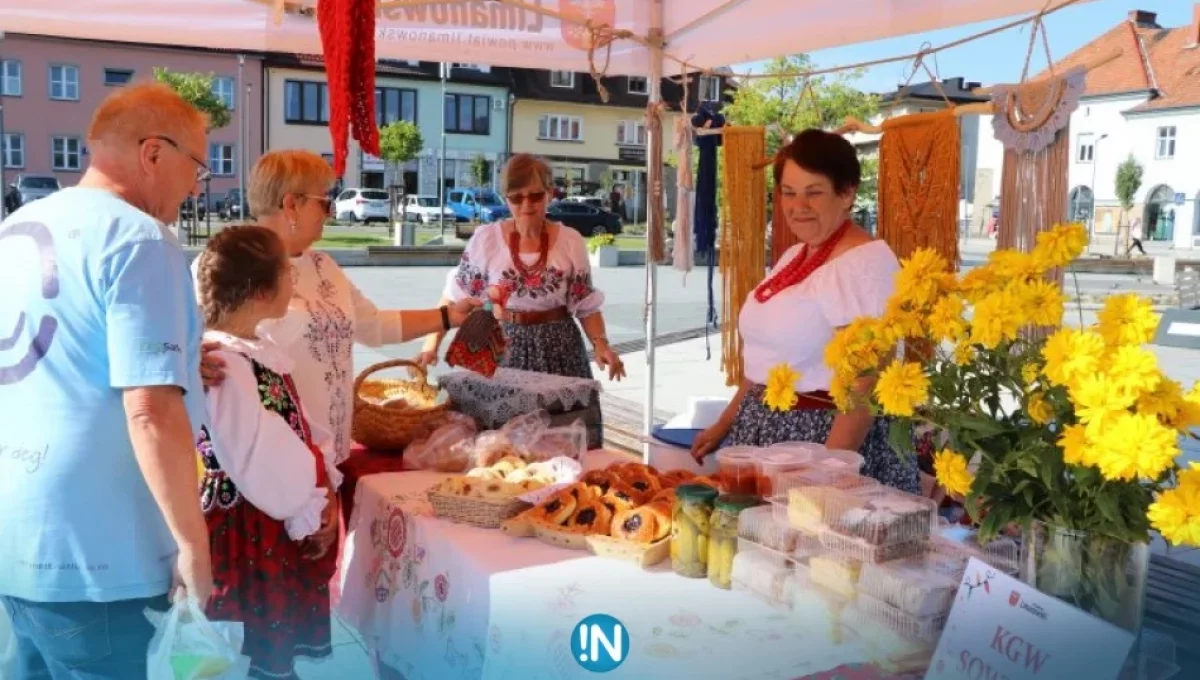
96 297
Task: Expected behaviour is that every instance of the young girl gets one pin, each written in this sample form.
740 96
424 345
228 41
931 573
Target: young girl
265 490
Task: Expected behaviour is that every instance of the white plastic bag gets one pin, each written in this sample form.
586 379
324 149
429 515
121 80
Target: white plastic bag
187 646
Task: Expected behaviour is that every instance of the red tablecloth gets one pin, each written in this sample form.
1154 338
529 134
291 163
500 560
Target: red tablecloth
362 462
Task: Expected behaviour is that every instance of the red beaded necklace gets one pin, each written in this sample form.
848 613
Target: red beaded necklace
800 267
514 249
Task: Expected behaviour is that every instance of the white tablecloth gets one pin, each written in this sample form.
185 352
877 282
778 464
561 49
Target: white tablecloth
441 601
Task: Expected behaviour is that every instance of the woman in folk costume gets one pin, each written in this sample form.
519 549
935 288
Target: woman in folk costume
265 491
835 274
538 272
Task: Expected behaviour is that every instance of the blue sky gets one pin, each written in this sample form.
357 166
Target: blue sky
997 58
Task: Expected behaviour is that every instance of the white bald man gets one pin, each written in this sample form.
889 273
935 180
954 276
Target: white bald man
100 398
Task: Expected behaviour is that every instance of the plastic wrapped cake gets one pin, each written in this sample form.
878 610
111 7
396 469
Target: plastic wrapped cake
915 586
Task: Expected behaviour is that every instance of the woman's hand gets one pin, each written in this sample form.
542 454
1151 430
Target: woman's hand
212 367
427 358
318 545
459 311
707 441
607 359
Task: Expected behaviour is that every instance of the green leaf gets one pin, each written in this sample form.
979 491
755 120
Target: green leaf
197 90
900 437
400 142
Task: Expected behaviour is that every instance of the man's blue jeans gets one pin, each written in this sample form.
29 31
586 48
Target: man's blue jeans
82 640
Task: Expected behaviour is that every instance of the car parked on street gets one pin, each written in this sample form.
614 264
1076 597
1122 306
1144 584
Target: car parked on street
232 207
583 218
426 210
477 205
362 205
32 187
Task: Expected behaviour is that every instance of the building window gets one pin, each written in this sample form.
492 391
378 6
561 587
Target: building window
66 153
223 89
560 128
468 114
631 133
562 79
393 104
482 68
64 83
10 78
639 85
220 159
1085 148
14 150
305 102
710 88
116 77
1165 148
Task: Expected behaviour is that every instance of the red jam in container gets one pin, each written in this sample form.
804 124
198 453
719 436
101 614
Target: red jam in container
738 469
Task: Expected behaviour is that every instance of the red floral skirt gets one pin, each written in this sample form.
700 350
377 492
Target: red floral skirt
262 580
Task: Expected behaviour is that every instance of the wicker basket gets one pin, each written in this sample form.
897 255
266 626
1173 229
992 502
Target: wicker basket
485 513
645 555
391 427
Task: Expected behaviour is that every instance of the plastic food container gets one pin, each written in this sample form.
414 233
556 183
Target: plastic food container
738 469
723 536
836 574
925 629
914 586
799 496
779 459
762 573
880 515
838 460
858 549
1002 554
760 525
691 518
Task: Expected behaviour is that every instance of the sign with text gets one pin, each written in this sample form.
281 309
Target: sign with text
1002 629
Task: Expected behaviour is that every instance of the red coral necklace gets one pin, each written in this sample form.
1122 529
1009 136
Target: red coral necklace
514 249
800 267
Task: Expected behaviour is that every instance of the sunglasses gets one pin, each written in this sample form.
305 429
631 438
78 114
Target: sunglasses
202 171
532 197
324 201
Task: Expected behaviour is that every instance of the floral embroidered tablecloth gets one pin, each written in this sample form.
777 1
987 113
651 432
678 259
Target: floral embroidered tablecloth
443 601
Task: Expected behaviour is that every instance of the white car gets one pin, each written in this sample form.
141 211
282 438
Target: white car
424 209
362 205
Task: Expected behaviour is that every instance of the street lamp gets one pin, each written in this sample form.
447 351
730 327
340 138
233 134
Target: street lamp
1095 162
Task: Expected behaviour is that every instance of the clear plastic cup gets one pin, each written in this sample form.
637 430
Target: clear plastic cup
738 469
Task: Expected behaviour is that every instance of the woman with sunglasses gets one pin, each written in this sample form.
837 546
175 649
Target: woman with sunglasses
288 193
543 269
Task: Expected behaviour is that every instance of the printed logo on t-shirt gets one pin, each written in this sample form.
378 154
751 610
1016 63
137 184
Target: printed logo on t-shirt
43 335
149 347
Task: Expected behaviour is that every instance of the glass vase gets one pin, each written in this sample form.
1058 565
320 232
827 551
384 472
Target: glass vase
1103 576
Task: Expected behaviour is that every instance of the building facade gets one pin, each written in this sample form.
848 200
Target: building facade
473 108
51 87
596 147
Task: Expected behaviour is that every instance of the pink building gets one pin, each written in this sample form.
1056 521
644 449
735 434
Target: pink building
51 86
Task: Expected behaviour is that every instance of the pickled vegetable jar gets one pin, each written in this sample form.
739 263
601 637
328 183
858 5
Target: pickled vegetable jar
689 529
723 536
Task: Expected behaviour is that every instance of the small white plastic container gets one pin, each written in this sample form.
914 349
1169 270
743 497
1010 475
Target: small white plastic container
913 586
881 515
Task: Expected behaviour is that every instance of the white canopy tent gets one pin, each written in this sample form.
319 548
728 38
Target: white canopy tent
531 34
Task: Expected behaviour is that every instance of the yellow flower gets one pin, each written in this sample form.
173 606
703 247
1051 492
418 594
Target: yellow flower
1097 401
780 394
946 321
1013 265
902 387
841 391
1061 245
922 279
952 472
998 318
980 282
1165 401
857 348
1176 512
1127 320
1076 447
1030 373
1135 446
1189 411
1042 300
1038 409
901 323
1070 353
963 354
1134 370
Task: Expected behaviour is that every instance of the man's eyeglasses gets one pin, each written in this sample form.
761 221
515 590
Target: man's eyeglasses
532 196
202 171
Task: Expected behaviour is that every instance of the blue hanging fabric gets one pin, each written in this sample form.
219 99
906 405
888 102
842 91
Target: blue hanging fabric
704 217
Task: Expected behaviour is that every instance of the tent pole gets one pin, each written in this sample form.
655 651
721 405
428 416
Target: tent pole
653 217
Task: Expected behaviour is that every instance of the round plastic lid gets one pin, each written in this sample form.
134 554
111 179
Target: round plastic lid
810 448
736 502
696 492
785 457
839 459
737 454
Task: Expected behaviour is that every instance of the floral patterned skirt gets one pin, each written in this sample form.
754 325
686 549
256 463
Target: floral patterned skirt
757 425
262 580
556 348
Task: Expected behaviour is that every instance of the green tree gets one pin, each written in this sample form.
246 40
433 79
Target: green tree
1129 180
481 171
782 99
399 142
868 188
197 88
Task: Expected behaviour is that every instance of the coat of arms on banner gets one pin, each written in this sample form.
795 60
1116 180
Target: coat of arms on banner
599 12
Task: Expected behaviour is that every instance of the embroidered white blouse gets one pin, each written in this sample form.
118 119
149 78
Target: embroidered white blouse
328 314
566 281
796 324
271 466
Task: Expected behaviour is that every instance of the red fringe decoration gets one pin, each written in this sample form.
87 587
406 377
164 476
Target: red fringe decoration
782 237
348 40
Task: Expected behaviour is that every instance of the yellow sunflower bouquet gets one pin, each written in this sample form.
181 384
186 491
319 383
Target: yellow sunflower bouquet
1066 432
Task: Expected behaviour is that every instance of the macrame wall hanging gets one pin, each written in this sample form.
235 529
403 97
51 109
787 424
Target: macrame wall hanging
1032 122
654 181
919 183
743 236
348 41
682 256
